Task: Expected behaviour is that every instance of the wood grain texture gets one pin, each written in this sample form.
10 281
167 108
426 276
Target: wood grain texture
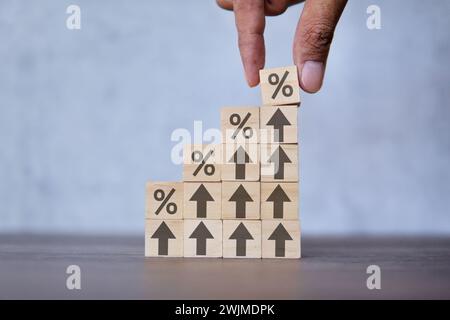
202 200
279 124
239 242
241 162
331 267
156 193
279 162
154 234
240 124
281 239
269 85
233 193
279 198
196 168
203 238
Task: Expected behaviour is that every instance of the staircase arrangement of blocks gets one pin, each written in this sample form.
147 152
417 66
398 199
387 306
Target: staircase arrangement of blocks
240 198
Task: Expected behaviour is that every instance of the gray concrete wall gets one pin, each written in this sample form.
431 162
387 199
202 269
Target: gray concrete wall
86 116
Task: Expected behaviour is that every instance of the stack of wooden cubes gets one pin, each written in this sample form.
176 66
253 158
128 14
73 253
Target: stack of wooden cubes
238 199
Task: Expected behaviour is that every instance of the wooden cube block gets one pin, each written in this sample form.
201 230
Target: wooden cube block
240 124
203 238
278 125
279 162
279 86
240 200
202 200
279 200
281 239
164 200
164 238
240 162
242 239
202 162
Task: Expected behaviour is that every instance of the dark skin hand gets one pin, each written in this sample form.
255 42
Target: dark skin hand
312 38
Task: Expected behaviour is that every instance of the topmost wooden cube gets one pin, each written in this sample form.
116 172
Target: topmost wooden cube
279 86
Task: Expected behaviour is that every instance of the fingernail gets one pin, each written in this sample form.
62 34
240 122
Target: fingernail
312 76
251 82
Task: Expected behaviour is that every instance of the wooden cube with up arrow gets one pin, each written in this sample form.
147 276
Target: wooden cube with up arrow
279 162
240 162
202 200
240 200
203 238
281 239
278 124
279 200
242 239
164 238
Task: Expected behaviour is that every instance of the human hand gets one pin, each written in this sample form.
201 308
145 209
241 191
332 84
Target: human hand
312 39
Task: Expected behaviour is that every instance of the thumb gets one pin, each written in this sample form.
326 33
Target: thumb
313 39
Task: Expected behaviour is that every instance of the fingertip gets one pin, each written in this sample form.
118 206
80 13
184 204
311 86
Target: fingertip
225 4
311 76
252 79
275 8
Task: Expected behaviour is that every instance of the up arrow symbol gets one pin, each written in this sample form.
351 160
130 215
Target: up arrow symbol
201 233
201 196
241 235
241 197
163 234
240 157
278 121
279 158
280 235
278 197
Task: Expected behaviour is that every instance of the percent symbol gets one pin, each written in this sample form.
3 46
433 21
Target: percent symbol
159 195
209 169
287 89
235 120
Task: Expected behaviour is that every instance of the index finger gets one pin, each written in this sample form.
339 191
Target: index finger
250 23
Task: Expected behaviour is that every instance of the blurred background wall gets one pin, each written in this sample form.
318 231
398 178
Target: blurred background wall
86 116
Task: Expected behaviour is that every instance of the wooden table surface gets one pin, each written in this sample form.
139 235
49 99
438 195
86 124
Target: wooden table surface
34 267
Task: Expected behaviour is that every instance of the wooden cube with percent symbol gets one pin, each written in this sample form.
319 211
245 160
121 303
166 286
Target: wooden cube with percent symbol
164 238
203 238
240 162
241 238
279 162
240 200
202 162
279 200
240 124
202 200
279 86
278 124
281 239
164 200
